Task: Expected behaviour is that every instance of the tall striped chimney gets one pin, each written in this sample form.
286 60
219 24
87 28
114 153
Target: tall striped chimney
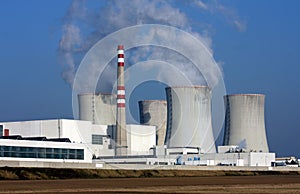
121 136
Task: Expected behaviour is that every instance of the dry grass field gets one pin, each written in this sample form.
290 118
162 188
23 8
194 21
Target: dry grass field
219 184
49 180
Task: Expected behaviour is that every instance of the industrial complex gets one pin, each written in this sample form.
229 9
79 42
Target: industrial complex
177 131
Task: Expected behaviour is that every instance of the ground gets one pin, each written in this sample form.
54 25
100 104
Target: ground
212 184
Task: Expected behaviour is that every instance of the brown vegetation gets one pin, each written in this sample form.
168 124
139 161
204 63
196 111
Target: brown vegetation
9 173
207 184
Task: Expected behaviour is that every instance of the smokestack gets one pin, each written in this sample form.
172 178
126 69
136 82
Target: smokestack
121 136
245 122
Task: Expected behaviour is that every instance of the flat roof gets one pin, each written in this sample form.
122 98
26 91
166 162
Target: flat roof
42 138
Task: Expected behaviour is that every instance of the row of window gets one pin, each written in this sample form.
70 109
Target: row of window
98 139
38 152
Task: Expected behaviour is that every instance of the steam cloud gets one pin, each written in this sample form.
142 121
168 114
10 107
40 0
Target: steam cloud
85 23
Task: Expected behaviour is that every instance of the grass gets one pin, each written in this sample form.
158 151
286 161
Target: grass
13 173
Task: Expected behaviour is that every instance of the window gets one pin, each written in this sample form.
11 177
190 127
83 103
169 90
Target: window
72 154
41 153
1 130
46 153
49 152
64 153
57 153
80 154
98 139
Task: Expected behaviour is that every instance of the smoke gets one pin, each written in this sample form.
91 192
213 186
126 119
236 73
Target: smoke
231 17
216 8
86 22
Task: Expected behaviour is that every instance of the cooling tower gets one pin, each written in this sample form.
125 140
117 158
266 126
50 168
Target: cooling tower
189 118
245 122
154 112
98 108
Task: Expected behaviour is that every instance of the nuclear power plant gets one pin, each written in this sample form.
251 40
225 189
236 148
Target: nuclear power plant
174 132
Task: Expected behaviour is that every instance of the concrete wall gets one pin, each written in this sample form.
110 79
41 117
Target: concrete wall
154 112
245 122
49 128
77 131
258 159
189 118
140 138
228 158
247 159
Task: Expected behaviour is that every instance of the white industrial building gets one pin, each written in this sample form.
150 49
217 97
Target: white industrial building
161 155
42 150
94 140
234 156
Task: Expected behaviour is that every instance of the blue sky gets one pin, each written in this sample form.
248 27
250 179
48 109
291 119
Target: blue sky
263 58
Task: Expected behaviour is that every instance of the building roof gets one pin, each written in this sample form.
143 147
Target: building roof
19 137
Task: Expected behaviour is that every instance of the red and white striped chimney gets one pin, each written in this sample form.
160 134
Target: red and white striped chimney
121 136
121 87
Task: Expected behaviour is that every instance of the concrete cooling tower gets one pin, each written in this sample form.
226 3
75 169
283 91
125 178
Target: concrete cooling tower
189 118
98 108
245 122
154 112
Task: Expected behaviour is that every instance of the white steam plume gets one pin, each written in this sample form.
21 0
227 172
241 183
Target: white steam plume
86 22
214 7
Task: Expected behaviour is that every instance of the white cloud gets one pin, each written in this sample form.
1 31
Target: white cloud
201 4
